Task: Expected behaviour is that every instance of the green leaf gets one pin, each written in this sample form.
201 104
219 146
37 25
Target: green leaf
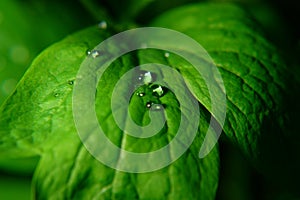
37 120
255 77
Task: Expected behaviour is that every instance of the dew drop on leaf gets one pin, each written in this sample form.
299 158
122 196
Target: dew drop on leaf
71 82
167 55
88 52
157 90
95 53
157 107
146 77
140 94
102 25
149 104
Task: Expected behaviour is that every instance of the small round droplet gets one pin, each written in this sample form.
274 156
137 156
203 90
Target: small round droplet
71 82
157 107
149 104
56 94
140 94
167 55
88 52
95 53
102 25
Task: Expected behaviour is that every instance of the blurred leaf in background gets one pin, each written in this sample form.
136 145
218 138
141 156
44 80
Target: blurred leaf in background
14 187
27 27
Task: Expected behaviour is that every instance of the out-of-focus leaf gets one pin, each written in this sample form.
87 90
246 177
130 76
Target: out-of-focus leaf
140 11
27 27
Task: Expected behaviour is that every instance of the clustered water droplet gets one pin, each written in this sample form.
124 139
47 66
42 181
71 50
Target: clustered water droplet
102 25
93 53
153 106
146 78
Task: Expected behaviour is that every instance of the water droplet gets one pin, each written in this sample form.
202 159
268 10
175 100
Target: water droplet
167 55
157 90
71 82
102 25
146 77
140 94
95 53
157 107
88 52
149 104
56 94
